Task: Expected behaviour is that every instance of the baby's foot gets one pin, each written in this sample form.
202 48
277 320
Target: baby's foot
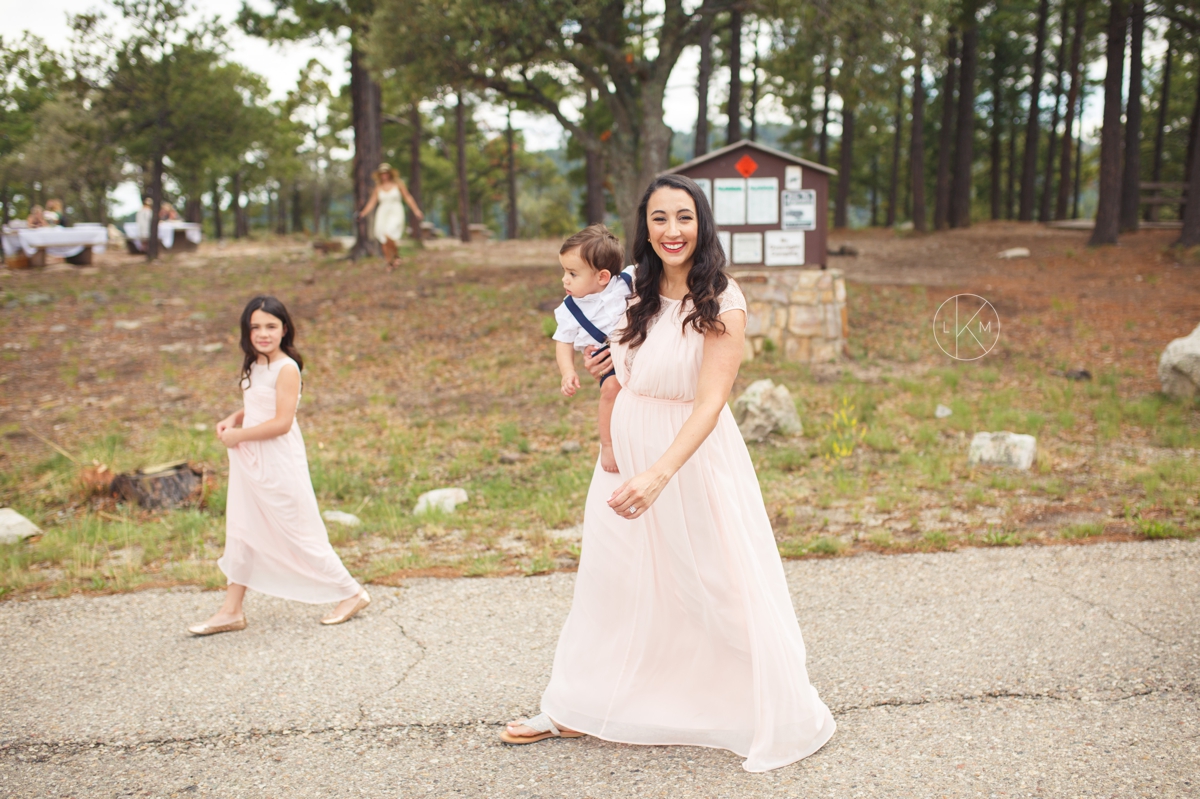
608 459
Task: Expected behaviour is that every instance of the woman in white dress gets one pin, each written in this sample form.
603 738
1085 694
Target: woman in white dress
385 201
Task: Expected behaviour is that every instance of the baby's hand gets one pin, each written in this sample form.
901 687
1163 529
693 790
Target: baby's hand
570 384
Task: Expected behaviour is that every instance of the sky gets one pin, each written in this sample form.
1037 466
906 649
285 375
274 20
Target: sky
281 64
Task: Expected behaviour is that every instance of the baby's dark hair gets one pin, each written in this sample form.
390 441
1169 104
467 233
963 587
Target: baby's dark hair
598 248
274 307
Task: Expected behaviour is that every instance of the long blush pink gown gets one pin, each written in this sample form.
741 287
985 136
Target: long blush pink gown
275 539
681 630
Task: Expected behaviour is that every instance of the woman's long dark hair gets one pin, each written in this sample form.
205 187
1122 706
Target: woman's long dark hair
706 280
274 307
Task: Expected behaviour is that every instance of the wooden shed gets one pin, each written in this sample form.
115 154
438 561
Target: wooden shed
771 207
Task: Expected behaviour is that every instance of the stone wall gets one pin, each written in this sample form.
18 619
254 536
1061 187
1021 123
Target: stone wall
800 311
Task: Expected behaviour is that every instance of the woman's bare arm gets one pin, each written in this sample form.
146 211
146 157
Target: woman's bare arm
371 203
412 203
718 370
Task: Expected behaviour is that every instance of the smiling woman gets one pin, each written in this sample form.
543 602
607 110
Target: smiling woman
682 629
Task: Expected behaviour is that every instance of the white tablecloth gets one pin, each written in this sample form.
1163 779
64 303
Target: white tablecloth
61 242
166 233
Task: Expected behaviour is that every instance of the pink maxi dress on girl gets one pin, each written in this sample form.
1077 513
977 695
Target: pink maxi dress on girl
275 539
682 630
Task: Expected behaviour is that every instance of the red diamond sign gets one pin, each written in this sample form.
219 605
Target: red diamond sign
746 166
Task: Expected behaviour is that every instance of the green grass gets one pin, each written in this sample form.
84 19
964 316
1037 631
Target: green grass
1083 530
1154 528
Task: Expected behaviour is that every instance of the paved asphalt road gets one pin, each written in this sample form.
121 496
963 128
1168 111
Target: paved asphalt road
1034 671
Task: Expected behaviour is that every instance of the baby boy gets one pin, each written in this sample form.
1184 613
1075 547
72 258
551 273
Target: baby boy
597 290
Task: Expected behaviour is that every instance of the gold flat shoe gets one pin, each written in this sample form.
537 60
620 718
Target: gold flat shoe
204 629
364 599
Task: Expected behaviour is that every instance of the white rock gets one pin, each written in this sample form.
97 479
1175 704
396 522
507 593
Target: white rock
765 408
211 347
1014 252
941 412
443 499
569 447
127 324
1179 366
14 527
341 517
1013 450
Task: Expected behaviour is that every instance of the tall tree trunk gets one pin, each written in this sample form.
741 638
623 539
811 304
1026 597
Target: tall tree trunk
734 133
941 191
460 138
368 147
917 143
754 91
1073 95
595 208
216 210
414 167
964 150
1190 235
1108 206
875 190
512 177
997 148
1078 159
842 202
1029 171
1010 188
1131 190
894 181
297 211
700 146
156 198
1044 207
318 202
4 209
823 141
1159 135
236 205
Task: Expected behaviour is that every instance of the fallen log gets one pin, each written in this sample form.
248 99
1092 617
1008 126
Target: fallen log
166 485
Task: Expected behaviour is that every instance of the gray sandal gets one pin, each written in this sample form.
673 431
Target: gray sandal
542 725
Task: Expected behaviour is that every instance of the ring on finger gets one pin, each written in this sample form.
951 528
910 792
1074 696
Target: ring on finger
632 509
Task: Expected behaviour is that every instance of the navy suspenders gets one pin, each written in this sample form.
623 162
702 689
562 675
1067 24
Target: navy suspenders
587 325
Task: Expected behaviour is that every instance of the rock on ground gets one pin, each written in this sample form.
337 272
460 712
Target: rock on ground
1013 450
14 527
443 499
1179 366
341 517
766 408
1014 252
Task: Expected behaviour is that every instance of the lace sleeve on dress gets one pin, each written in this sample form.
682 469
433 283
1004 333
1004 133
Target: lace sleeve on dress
732 298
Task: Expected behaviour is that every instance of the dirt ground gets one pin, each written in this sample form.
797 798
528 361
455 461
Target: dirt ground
425 377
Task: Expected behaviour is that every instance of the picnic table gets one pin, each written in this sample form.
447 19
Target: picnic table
76 244
168 237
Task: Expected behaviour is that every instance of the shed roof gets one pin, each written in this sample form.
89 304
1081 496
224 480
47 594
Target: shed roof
755 146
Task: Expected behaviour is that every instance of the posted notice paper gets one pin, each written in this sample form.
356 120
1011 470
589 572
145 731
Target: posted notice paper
762 201
729 201
800 210
705 186
784 248
747 248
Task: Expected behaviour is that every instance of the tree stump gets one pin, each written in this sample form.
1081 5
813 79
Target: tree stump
167 485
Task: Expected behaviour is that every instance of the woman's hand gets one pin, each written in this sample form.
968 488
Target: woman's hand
597 366
634 496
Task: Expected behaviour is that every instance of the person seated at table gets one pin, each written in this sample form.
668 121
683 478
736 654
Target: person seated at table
144 216
36 218
54 214
168 213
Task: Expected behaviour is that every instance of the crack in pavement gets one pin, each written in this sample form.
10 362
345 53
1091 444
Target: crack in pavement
41 751
362 706
1103 608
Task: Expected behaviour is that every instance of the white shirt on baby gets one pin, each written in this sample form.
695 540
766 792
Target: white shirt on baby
603 309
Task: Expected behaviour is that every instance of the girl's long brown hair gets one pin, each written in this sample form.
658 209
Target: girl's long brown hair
267 304
706 279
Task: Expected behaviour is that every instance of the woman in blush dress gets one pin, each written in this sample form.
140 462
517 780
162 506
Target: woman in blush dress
681 630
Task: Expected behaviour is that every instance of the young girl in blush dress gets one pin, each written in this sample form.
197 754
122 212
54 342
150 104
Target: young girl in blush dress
275 540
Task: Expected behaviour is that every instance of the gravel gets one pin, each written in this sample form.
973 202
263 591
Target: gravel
1031 671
